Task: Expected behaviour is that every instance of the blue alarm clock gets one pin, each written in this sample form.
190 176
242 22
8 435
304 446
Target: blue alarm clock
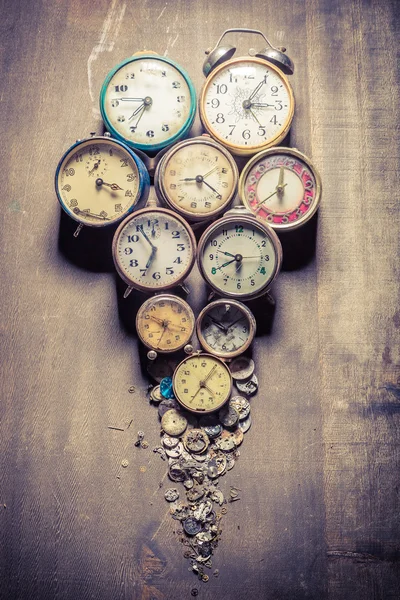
99 181
148 101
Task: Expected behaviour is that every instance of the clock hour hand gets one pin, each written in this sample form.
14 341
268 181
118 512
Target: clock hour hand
129 99
270 196
95 166
113 186
151 257
209 172
146 237
146 103
218 324
261 105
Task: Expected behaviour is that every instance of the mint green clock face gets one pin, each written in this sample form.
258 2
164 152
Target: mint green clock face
147 102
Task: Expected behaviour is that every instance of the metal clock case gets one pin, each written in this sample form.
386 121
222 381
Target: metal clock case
153 250
148 101
165 324
281 187
225 328
202 383
239 256
99 181
247 103
197 178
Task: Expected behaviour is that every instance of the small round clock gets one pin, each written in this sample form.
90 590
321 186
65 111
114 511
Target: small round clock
239 256
165 323
247 103
202 383
148 101
153 250
282 187
225 328
99 181
197 178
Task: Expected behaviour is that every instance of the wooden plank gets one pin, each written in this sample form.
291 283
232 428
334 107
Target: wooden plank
319 499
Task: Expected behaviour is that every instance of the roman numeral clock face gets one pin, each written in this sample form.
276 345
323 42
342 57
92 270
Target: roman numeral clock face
247 105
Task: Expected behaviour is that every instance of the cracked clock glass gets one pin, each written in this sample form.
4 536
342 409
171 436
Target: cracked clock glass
197 178
238 256
226 328
99 181
148 101
165 323
247 105
154 249
202 383
282 187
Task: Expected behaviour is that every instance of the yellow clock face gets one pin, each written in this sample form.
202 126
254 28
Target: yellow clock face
98 181
165 323
202 383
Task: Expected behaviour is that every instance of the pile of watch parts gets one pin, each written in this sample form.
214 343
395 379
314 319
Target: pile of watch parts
199 450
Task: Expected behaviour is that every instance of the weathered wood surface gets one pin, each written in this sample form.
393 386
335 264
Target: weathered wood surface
318 516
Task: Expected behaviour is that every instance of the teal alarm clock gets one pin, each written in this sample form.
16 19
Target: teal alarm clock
99 181
148 101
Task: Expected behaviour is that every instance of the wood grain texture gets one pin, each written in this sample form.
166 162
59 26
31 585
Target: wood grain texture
318 516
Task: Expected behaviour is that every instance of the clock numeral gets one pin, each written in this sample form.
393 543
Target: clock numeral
224 184
169 271
246 134
252 283
176 235
178 260
215 103
239 285
180 247
222 89
172 173
266 257
120 118
262 271
133 238
207 204
261 130
118 208
224 170
193 205
78 158
73 203
211 256
156 275
213 243
143 272
309 184
176 84
172 186
239 228
67 188
128 251
131 177
165 127
130 76
220 118
181 98
121 88
150 133
274 90
128 193
114 103
274 120
124 162
213 271
263 243
133 263
232 129
69 172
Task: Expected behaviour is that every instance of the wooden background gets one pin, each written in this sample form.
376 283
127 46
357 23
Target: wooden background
319 511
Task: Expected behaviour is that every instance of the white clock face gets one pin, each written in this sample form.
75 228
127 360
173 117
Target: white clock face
147 102
153 249
238 257
198 179
98 182
247 105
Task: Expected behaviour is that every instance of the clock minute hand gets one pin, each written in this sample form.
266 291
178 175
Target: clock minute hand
270 196
257 89
213 189
261 104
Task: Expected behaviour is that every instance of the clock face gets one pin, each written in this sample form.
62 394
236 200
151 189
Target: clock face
154 249
281 187
148 101
239 256
247 104
197 178
226 328
98 181
202 383
165 323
